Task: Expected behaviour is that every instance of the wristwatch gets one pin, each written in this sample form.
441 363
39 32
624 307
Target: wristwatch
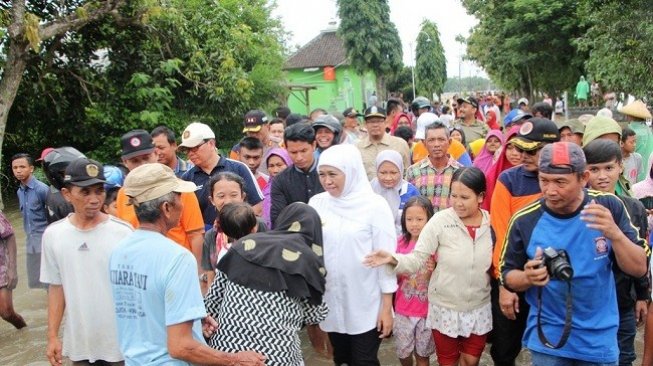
204 277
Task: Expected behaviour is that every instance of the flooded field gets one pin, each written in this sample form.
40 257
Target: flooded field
27 346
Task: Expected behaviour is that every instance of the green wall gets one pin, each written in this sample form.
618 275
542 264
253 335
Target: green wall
334 96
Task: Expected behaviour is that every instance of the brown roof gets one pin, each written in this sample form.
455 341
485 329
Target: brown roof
324 50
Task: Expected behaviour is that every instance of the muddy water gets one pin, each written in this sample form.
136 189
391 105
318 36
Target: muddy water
27 346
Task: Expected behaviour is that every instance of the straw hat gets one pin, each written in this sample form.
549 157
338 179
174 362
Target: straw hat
636 109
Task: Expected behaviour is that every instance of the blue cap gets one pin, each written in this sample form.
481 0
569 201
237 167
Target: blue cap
508 117
113 176
514 116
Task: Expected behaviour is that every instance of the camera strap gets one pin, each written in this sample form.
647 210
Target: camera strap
567 328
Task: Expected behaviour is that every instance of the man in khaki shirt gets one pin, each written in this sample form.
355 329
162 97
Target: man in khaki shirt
378 140
473 128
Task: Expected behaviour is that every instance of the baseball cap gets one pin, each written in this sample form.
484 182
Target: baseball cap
516 116
575 125
151 181
195 133
294 118
113 177
83 172
605 112
374 111
599 126
534 133
45 152
469 100
585 118
522 101
254 119
351 112
135 143
282 112
562 158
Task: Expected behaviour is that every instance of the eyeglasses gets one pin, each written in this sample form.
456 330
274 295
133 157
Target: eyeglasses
194 148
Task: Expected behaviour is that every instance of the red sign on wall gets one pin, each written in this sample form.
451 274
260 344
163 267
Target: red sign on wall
329 73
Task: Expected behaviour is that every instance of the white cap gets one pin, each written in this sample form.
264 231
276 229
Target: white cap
195 134
605 112
522 100
424 120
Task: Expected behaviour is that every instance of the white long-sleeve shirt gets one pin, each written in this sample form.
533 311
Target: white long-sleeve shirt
354 291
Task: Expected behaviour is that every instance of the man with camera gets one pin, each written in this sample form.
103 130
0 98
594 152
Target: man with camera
560 250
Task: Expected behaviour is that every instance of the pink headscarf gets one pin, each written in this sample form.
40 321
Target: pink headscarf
497 168
485 158
267 199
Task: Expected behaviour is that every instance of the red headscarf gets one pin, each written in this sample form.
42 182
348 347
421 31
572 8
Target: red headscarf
395 122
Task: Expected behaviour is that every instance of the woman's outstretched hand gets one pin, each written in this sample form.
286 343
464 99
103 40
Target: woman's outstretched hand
379 258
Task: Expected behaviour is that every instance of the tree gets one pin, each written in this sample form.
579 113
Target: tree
467 84
371 39
231 64
527 45
401 82
619 41
430 62
29 35
142 66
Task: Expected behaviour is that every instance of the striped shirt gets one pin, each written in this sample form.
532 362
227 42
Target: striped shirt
432 183
266 322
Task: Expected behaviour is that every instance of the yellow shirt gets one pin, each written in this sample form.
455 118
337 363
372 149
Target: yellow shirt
456 150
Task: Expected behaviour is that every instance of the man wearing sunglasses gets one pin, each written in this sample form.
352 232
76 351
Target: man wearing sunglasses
515 188
198 142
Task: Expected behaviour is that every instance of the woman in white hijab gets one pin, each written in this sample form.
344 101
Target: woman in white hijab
355 221
389 183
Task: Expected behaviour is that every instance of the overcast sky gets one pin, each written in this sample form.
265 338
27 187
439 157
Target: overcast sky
304 19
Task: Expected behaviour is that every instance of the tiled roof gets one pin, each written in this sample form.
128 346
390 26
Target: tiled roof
324 50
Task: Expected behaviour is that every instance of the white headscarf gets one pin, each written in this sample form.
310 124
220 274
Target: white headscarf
390 194
357 202
357 190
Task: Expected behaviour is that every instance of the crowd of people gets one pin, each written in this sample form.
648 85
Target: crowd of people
445 227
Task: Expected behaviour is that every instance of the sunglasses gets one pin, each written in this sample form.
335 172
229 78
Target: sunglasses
528 152
193 149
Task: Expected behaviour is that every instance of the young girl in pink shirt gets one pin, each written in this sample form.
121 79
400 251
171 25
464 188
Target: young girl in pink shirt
412 337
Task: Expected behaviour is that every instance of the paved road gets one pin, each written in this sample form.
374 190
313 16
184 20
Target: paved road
27 346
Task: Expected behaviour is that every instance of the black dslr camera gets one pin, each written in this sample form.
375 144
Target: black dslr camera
557 264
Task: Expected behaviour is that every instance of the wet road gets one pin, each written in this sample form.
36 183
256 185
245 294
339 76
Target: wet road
27 346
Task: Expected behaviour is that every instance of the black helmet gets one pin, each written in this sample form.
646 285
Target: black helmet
55 163
420 102
331 123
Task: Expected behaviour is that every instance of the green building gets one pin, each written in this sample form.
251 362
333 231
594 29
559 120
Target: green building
319 76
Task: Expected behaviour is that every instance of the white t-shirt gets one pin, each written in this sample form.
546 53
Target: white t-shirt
632 167
79 261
